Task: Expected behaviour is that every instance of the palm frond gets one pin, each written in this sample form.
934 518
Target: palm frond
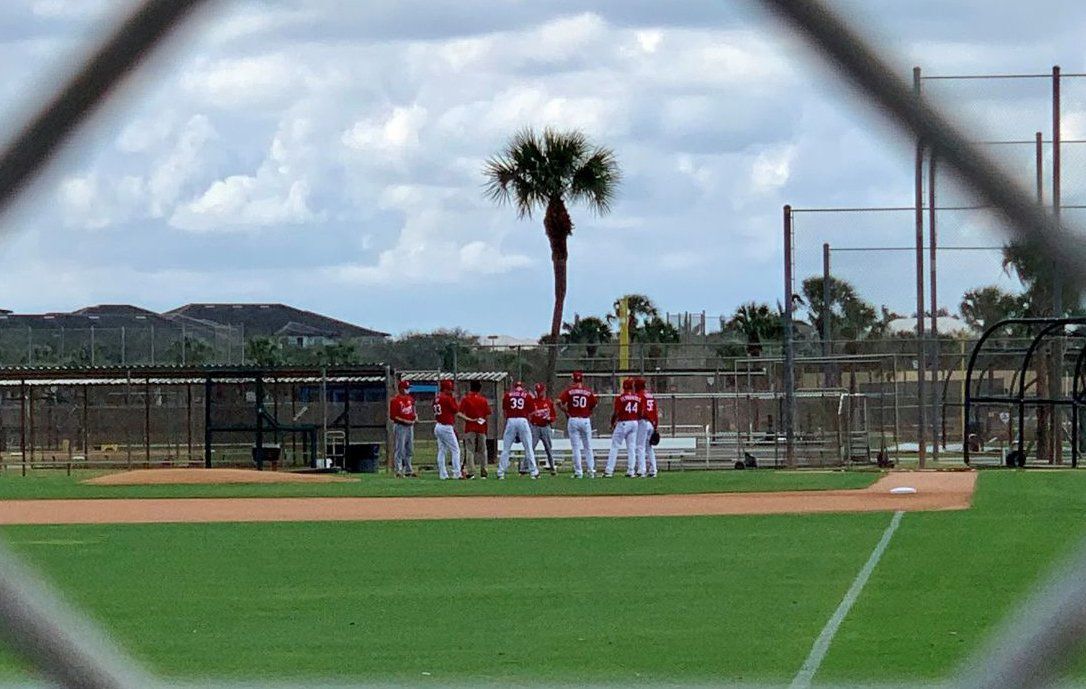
595 182
535 168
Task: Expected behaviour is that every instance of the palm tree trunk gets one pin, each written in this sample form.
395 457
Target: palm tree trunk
558 227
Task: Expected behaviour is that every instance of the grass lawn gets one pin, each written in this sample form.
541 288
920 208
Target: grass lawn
562 600
581 600
55 484
949 576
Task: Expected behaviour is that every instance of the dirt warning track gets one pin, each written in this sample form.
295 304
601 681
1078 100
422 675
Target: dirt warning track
935 491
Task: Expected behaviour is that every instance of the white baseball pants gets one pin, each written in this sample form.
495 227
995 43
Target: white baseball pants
446 442
580 442
517 430
646 453
625 434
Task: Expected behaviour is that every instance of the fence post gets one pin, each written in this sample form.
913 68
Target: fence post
827 317
936 364
921 366
789 353
1055 385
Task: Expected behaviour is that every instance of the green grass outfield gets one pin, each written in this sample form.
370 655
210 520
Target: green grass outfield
525 601
56 484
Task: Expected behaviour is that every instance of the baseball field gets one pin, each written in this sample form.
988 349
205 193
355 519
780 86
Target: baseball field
630 599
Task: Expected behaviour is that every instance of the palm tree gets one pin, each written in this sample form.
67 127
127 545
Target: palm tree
985 306
757 323
850 316
589 331
542 171
639 310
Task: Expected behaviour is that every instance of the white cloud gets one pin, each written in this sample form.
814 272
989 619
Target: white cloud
177 169
69 10
649 40
392 135
772 169
428 250
79 198
277 194
145 134
239 202
254 81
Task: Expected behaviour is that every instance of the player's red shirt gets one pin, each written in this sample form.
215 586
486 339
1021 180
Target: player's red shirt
579 401
517 404
402 407
628 407
543 411
445 408
475 406
649 409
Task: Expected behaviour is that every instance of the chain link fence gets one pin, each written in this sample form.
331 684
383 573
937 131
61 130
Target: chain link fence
1032 652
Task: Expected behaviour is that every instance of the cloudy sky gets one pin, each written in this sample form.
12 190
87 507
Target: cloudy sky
328 154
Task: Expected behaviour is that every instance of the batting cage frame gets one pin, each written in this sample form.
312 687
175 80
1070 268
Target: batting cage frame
1054 332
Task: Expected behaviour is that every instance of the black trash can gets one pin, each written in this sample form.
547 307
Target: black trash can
362 458
268 454
492 450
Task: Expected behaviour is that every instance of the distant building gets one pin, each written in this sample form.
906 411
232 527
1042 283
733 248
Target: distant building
111 334
504 342
288 325
951 326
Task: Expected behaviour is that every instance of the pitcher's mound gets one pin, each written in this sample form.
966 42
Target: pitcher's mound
159 477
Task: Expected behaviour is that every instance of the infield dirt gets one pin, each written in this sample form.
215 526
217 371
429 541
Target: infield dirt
935 491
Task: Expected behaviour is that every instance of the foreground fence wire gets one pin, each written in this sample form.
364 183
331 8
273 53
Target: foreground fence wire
1032 651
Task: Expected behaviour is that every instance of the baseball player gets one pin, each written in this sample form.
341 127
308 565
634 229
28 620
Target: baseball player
624 420
646 426
401 410
475 407
446 411
543 415
517 405
577 402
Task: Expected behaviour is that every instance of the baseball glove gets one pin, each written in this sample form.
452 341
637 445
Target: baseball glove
655 439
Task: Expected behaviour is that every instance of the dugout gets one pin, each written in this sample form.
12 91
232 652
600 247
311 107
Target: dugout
1024 380
187 416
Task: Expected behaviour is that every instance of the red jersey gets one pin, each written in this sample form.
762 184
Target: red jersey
543 411
402 408
628 407
517 404
445 408
475 406
649 410
579 401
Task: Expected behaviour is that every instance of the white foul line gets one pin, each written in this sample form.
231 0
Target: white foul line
821 645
